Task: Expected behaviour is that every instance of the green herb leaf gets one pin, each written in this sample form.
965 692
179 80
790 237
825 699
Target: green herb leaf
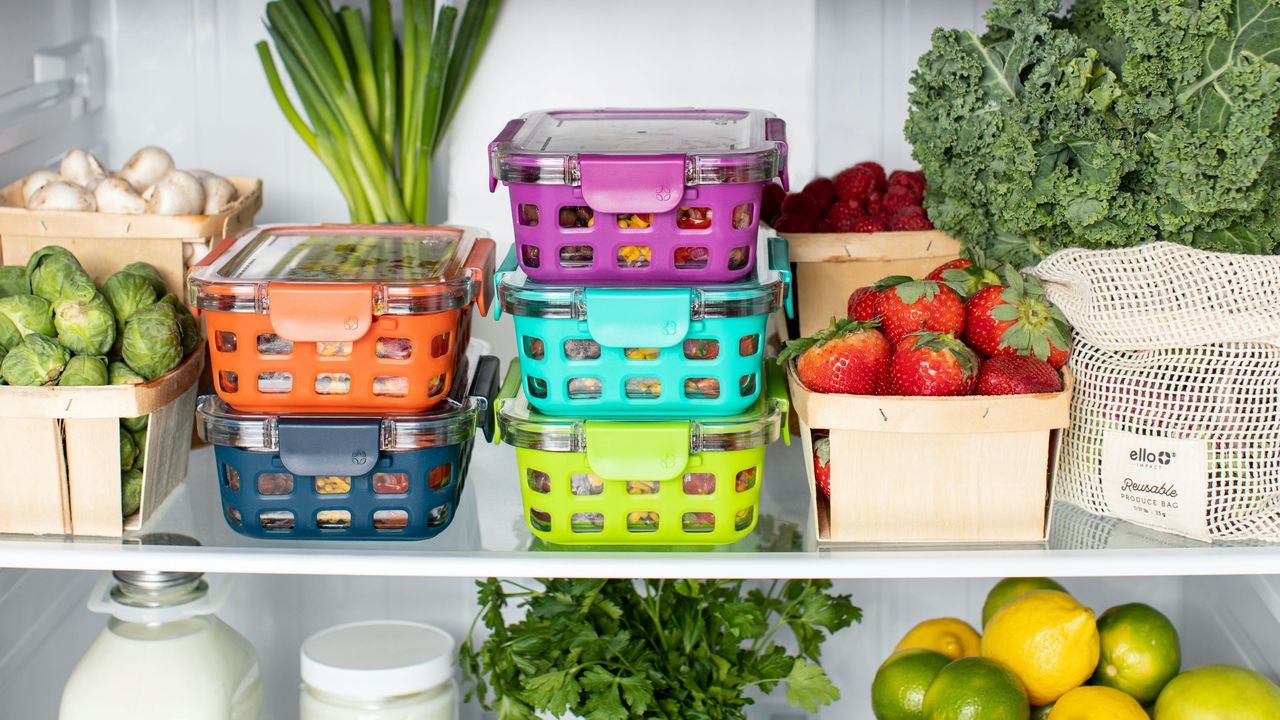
809 687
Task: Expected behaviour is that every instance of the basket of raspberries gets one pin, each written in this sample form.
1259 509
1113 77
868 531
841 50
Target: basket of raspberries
931 410
860 199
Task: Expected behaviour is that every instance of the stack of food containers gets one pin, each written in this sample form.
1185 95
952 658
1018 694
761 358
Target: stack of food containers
343 406
639 407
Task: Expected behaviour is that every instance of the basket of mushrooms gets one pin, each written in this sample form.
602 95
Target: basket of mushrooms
148 211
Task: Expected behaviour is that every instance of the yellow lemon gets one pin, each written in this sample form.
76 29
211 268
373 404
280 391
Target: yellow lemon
1219 692
1048 638
1096 703
1012 588
950 636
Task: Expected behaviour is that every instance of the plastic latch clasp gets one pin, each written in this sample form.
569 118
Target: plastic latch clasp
637 451
632 183
622 317
320 313
329 446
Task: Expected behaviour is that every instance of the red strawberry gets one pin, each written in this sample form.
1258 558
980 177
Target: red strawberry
913 179
902 222
801 204
1017 375
957 264
867 224
897 198
907 305
824 226
934 364
822 464
794 223
966 275
877 171
844 214
822 190
848 357
854 183
1017 319
771 202
862 304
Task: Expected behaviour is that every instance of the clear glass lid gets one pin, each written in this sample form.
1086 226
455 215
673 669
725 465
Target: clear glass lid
407 268
718 145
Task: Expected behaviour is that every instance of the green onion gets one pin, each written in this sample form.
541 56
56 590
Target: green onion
375 118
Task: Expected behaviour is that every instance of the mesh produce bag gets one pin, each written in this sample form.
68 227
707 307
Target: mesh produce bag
1175 418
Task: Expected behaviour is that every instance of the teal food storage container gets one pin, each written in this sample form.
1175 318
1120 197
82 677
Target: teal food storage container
644 352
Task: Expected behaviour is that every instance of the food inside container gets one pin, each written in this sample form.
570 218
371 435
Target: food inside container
330 318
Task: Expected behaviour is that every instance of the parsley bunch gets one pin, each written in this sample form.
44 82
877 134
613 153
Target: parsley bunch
619 649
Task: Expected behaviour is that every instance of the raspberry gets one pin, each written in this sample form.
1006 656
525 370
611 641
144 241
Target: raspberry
913 179
771 202
822 190
868 225
854 183
897 198
911 210
794 223
801 204
843 214
877 170
873 202
909 221
824 226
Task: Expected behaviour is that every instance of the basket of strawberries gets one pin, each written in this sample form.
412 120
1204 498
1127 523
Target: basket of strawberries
932 410
851 229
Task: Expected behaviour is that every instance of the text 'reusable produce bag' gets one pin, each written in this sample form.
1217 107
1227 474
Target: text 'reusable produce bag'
1175 421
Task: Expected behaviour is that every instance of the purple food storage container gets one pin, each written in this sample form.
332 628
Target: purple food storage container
661 196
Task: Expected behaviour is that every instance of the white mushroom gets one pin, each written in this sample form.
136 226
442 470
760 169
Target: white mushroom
60 195
218 191
116 195
34 182
146 167
177 193
81 168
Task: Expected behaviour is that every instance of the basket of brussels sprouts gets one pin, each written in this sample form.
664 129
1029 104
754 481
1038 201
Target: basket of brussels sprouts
89 375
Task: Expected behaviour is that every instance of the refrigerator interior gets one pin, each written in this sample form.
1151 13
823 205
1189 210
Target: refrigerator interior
184 75
1220 620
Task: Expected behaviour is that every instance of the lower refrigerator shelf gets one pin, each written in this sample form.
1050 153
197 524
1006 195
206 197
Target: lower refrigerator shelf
488 537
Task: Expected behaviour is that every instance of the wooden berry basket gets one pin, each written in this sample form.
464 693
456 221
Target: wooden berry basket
106 242
829 266
60 447
923 469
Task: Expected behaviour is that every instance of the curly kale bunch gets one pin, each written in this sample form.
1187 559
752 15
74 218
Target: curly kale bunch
1123 122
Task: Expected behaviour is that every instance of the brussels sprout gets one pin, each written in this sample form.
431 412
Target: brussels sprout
149 272
84 370
85 328
3 352
22 315
120 374
57 275
140 441
128 292
130 492
37 360
152 343
13 281
134 424
186 323
128 451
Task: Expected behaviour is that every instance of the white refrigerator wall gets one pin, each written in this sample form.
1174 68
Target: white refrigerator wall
184 74
46 626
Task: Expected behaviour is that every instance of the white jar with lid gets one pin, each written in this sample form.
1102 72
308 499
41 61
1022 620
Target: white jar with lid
379 670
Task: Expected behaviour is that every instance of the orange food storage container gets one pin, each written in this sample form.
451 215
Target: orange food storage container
341 318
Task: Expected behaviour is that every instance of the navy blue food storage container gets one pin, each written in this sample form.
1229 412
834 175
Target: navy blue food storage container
352 477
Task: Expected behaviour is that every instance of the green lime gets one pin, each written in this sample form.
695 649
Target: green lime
1140 652
1041 712
1012 588
897 693
974 687
1217 692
